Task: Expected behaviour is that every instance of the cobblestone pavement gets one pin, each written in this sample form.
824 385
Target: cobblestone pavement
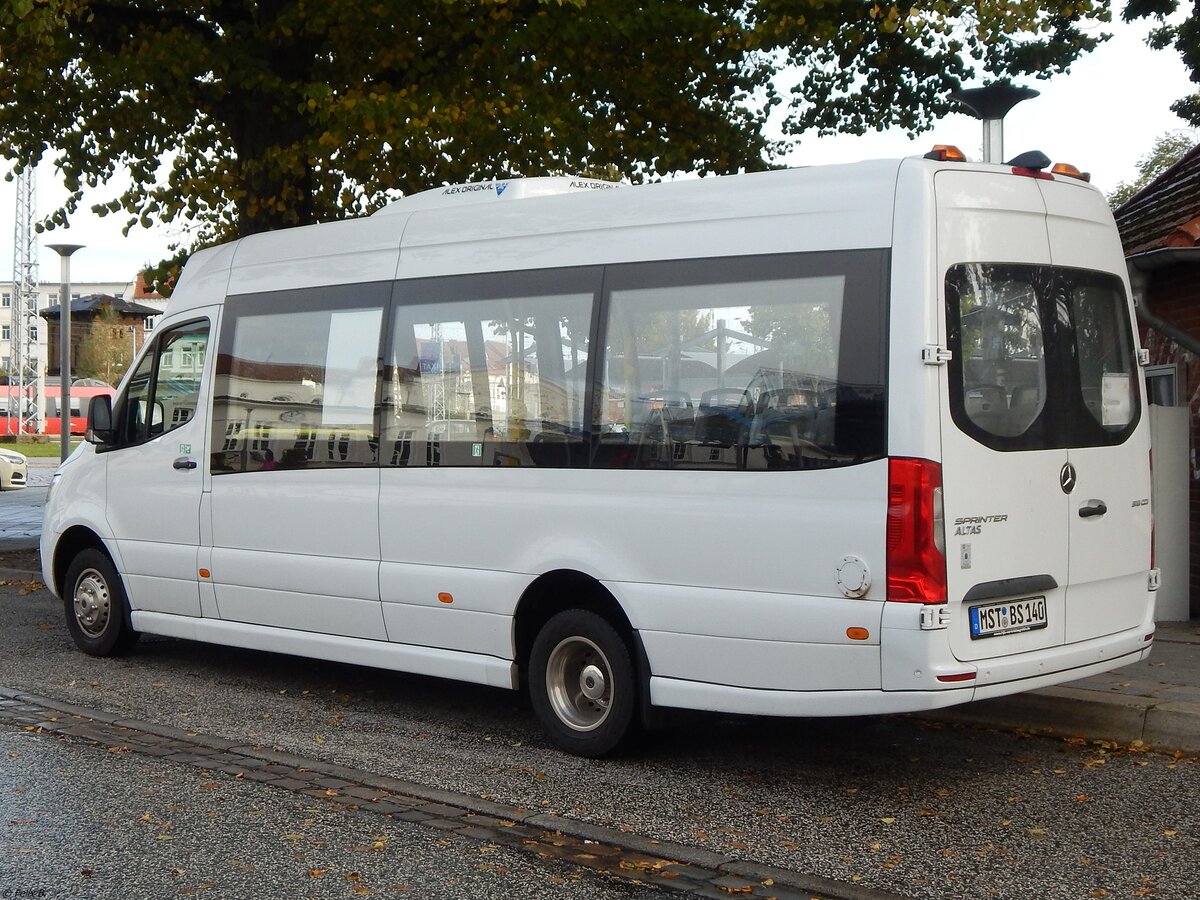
40 472
21 511
21 515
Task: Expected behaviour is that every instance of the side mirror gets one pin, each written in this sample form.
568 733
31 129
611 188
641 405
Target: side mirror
100 428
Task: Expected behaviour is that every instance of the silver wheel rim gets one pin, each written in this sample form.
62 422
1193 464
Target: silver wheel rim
93 603
579 683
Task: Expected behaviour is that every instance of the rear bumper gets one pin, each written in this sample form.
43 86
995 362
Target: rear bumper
680 694
915 659
1042 668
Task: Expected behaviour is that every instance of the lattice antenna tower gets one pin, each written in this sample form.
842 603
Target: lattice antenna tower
25 364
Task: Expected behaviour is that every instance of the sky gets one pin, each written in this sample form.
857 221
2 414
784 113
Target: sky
1102 116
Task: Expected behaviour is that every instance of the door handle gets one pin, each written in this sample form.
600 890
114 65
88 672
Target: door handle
1092 508
184 462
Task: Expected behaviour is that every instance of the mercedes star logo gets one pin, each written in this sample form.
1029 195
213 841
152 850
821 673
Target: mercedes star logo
1066 478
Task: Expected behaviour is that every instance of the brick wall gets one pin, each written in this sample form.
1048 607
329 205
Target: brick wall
1175 295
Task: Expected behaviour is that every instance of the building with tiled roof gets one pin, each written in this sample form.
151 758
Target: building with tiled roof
130 317
1166 212
1160 232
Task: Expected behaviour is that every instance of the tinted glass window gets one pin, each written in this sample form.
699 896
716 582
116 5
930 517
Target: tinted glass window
1043 358
489 371
1107 367
1003 351
163 392
762 363
297 381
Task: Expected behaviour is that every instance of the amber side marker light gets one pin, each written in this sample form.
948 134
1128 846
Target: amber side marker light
857 634
946 153
204 573
1070 171
443 597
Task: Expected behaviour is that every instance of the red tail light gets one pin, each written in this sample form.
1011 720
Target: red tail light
916 564
1032 173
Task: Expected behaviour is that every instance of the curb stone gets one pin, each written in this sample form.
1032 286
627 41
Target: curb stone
1174 724
1164 726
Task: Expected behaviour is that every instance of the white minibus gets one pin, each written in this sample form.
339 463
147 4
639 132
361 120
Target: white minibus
854 439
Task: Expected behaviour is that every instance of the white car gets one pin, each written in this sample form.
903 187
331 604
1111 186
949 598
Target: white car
13 470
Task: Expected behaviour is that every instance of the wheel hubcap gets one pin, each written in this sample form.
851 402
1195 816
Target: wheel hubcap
93 604
592 683
579 683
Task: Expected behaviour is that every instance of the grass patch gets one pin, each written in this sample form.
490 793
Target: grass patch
42 450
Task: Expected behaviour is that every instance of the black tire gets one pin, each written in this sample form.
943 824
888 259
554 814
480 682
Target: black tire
96 606
583 684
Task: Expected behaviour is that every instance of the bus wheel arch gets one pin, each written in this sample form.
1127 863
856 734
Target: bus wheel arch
70 544
573 642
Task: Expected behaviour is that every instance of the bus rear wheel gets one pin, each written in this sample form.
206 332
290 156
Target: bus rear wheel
583 683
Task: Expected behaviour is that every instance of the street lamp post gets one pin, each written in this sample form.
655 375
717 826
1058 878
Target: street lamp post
64 252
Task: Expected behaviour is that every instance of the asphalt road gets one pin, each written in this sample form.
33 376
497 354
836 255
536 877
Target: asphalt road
892 804
79 822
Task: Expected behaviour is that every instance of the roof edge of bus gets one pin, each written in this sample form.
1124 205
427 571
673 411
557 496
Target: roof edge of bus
498 189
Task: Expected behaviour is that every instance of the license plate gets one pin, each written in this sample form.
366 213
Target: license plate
1009 617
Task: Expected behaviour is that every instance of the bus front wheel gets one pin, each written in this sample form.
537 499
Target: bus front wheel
96 608
583 683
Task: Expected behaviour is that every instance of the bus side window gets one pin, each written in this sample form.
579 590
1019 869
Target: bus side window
315 405
760 343
489 372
